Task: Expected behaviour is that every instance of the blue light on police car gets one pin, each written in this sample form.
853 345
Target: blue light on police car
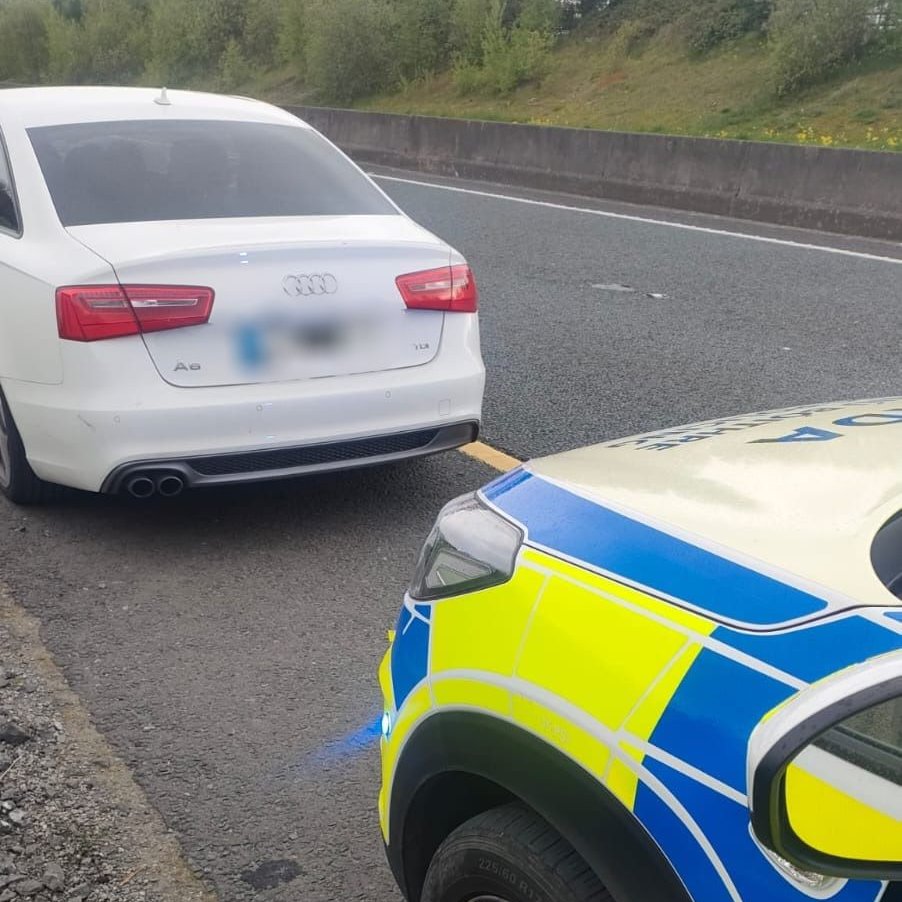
386 725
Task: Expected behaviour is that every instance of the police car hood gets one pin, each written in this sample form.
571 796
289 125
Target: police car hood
798 494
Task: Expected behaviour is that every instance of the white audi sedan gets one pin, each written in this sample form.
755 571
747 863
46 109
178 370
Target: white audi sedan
198 289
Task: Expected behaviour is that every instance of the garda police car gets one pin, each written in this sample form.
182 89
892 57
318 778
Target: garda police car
662 669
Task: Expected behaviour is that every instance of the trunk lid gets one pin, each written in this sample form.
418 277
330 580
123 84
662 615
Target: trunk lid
295 297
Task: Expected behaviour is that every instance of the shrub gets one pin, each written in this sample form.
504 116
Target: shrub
813 38
177 50
114 41
69 9
260 38
522 58
468 23
188 39
543 16
509 58
23 37
233 67
574 11
348 49
105 43
68 61
221 21
421 36
629 37
293 19
713 22
655 14
469 78
890 25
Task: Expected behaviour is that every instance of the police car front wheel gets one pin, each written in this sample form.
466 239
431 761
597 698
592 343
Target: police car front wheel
509 854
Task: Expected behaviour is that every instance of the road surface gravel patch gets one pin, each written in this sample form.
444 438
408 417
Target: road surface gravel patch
74 826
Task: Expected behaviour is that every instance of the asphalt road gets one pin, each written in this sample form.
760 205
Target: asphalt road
743 326
226 643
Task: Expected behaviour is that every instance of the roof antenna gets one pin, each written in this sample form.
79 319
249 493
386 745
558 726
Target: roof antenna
163 99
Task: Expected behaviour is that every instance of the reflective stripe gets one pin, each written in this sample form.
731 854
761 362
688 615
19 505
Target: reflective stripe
818 649
558 520
656 700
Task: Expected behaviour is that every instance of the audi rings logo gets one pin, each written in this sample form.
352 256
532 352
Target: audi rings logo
304 285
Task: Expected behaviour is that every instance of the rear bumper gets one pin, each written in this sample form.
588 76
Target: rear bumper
267 463
113 411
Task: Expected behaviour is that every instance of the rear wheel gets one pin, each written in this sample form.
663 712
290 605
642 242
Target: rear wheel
509 854
17 480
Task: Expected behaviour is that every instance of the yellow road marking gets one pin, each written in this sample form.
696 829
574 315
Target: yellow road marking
492 456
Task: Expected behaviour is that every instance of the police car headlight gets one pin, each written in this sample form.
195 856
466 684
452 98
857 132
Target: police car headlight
470 547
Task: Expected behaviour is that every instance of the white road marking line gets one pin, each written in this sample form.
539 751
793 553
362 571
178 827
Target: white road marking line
765 239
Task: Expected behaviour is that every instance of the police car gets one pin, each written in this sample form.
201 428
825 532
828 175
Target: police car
662 669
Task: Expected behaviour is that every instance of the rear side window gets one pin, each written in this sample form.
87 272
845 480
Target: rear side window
143 170
9 210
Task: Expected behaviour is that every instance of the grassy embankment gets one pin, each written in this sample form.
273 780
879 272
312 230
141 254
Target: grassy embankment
660 87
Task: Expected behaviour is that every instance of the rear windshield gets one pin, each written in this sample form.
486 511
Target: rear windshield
138 171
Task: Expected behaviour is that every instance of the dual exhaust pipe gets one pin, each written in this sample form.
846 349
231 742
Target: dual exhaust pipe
146 485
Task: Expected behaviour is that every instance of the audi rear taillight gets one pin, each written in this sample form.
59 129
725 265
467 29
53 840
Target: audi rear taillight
95 312
450 288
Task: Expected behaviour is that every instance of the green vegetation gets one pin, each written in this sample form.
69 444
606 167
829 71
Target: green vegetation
815 71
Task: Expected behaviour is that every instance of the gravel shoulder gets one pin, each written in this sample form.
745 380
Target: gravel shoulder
74 825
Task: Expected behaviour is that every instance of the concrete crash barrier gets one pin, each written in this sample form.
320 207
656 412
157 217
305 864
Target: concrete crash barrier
856 192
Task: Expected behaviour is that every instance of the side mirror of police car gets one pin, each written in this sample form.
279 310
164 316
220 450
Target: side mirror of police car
825 775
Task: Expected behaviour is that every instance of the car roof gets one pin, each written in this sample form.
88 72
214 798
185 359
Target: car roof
32 107
799 493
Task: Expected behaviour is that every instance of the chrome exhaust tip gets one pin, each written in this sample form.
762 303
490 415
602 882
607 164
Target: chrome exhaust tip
140 487
170 486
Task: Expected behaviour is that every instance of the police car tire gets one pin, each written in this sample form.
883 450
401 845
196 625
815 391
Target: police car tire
510 853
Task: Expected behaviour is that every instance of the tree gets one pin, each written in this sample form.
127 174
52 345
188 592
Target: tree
293 32
115 41
468 24
812 38
189 39
421 35
260 38
511 54
349 50
540 15
69 9
68 60
23 37
233 67
711 22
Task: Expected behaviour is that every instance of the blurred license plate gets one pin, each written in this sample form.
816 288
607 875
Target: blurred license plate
320 336
258 346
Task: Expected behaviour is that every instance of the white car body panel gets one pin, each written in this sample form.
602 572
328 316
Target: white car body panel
86 409
245 262
81 431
